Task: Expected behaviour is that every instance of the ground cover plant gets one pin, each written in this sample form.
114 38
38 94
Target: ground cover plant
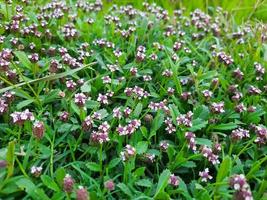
115 102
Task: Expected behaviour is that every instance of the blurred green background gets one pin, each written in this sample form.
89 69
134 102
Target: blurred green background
241 10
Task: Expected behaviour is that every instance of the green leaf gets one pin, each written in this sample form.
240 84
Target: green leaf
138 109
139 171
227 126
201 112
189 164
162 196
144 183
92 104
198 124
141 147
163 182
156 124
10 158
24 103
31 189
23 59
60 174
224 169
93 166
50 183
125 189
75 108
201 193
204 141
86 87
114 162
48 78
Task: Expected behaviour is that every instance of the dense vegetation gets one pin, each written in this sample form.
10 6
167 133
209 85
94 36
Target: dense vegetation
119 102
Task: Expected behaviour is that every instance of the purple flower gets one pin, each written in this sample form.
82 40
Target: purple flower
20 117
205 175
239 134
3 106
38 129
128 152
209 154
173 180
87 123
36 171
185 119
164 145
68 183
102 98
80 99
82 194
170 128
190 137
240 185
217 108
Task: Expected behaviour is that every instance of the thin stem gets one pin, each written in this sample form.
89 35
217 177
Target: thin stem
100 159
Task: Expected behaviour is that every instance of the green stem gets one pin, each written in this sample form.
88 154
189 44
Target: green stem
101 159
230 149
52 156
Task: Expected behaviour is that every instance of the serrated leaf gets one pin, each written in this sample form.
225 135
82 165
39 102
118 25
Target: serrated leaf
86 87
60 174
204 141
138 109
24 103
198 124
114 162
156 124
224 169
141 147
93 166
10 158
163 181
31 189
227 126
125 189
144 183
23 59
50 183
92 104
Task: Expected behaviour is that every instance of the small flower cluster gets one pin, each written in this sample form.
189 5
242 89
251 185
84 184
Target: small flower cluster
160 105
204 175
137 91
128 152
20 117
261 132
190 137
36 171
240 185
130 128
210 155
101 135
239 134
173 180
217 108
185 119
170 128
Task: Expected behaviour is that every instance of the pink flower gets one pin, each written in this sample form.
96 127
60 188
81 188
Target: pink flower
110 185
